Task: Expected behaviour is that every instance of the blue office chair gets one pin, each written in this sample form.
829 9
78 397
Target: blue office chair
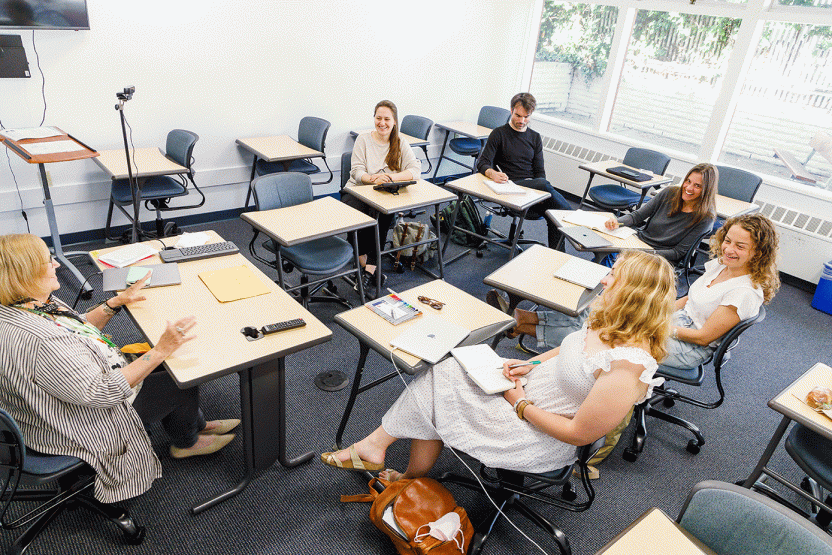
732 520
813 454
491 117
618 197
693 377
157 191
327 256
510 488
419 127
72 476
312 134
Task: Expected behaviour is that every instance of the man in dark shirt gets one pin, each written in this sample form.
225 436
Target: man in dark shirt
515 152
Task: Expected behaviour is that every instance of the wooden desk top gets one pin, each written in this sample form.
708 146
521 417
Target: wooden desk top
631 242
789 402
473 185
423 193
460 308
322 217
219 347
466 128
409 139
82 153
278 148
602 167
727 207
654 533
530 275
145 162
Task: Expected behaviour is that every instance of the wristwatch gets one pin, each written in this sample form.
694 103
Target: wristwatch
108 310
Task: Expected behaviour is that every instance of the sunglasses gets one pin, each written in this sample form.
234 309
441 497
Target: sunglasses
433 303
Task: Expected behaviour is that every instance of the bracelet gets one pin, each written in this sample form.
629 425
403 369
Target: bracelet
521 408
108 310
675 334
517 402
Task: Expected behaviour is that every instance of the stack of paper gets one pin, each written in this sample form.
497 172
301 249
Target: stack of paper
125 256
507 188
597 221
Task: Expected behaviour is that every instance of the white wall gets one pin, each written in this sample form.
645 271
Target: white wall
241 68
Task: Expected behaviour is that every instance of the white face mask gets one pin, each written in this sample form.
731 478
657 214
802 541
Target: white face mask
445 528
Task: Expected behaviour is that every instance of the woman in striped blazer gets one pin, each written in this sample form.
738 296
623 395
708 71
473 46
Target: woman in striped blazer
71 390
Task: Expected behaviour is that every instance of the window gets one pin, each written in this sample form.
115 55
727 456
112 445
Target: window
571 59
783 119
673 67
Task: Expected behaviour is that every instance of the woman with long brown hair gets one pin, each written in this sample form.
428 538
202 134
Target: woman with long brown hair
380 156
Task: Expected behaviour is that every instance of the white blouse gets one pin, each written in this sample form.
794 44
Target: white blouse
738 292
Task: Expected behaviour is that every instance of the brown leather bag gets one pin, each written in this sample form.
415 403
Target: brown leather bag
415 503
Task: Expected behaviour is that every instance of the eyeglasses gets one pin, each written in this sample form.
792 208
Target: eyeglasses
433 303
52 261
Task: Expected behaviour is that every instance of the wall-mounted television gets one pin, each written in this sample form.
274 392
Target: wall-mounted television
44 14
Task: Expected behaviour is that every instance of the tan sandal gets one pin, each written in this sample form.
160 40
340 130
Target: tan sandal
354 463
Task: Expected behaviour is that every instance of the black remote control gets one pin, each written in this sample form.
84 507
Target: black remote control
283 326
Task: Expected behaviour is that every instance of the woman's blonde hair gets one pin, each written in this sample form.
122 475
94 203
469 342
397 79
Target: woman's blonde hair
763 265
637 308
23 261
706 204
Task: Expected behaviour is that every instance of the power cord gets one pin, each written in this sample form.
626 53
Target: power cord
474 474
17 187
42 77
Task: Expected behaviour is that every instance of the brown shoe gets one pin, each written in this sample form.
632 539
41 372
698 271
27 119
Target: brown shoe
215 444
219 427
496 300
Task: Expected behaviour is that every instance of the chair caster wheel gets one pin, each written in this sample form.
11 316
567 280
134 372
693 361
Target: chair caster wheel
668 402
479 254
629 455
86 295
693 447
568 494
138 537
171 229
398 267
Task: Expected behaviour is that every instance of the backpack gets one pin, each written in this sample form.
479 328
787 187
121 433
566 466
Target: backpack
406 233
414 504
468 218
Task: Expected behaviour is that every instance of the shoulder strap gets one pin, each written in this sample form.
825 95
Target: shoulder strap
365 497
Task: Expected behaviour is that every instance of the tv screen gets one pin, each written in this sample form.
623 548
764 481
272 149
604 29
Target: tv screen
44 14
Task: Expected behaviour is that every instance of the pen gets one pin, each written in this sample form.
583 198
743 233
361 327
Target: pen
530 363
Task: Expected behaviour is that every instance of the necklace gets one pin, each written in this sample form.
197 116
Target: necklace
65 318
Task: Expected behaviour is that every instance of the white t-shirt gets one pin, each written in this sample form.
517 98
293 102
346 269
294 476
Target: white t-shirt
738 292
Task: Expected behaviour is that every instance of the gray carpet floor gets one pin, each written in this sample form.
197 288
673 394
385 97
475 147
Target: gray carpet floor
298 510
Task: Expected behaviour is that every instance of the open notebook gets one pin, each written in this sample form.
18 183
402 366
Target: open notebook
485 367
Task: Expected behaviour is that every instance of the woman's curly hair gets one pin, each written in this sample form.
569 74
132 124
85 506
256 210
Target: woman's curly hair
763 263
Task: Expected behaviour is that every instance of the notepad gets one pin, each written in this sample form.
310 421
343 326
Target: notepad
598 221
233 284
125 256
507 188
485 367
582 272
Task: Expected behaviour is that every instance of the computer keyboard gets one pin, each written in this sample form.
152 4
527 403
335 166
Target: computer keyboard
199 252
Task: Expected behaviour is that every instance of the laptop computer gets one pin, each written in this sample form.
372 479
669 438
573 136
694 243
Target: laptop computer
393 186
115 279
585 237
629 173
430 339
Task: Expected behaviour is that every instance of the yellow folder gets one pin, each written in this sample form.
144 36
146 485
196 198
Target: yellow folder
233 284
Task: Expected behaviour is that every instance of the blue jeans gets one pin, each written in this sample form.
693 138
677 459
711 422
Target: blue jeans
553 327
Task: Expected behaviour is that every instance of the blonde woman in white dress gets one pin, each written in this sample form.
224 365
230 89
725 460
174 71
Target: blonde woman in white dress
578 393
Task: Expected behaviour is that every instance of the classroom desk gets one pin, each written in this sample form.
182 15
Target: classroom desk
144 162
655 533
464 128
323 217
281 148
409 139
219 349
83 152
530 276
518 205
600 168
373 332
419 195
789 403
631 242
727 207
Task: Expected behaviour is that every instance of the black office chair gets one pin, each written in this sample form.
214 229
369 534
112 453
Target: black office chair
694 377
491 117
327 256
312 134
72 476
617 197
509 488
157 191
419 127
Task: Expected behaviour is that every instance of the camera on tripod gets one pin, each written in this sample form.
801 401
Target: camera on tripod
127 94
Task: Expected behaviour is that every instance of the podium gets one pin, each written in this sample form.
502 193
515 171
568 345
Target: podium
61 147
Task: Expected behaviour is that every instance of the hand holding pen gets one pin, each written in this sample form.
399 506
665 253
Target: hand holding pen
516 368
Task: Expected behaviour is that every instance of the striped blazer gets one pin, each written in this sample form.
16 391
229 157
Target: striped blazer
67 400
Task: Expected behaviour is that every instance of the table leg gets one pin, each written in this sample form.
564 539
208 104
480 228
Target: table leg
378 263
356 386
586 191
517 234
441 153
250 179
57 246
769 451
439 249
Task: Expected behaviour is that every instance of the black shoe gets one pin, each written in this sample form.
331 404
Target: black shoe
369 280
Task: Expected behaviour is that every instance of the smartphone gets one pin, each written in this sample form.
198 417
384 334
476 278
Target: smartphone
136 273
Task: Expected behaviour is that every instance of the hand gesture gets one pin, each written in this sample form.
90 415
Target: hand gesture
512 395
175 335
612 223
132 294
512 373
